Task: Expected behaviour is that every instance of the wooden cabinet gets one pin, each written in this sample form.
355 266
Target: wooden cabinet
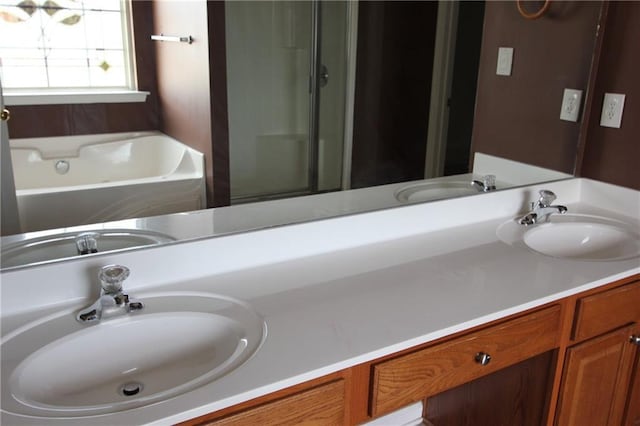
518 395
599 381
632 411
410 378
596 380
604 311
320 405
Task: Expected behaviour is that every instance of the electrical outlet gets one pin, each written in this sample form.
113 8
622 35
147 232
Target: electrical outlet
505 60
612 108
570 110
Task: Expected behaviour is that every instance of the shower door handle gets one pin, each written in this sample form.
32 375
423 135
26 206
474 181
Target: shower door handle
324 75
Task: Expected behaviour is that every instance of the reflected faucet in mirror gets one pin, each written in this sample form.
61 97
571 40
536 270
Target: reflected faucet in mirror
488 183
87 242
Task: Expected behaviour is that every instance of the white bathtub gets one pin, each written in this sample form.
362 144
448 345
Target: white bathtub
77 180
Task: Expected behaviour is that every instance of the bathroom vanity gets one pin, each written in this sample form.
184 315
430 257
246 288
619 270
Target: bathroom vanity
591 339
368 314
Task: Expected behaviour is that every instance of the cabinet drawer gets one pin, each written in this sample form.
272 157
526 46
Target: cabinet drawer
602 312
415 376
322 405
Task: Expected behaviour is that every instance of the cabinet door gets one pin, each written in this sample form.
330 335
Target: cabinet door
632 414
596 380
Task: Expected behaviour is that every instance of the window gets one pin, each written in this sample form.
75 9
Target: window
65 46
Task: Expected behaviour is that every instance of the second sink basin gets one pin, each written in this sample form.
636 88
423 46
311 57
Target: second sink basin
180 341
573 236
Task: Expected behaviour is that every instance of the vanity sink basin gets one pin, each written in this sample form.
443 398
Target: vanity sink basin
431 191
579 237
62 245
180 341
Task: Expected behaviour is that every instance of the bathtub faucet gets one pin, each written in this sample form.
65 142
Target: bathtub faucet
87 242
112 301
542 209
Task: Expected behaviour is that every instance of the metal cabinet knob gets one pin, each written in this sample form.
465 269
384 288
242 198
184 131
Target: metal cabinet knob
635 340
5 115
483 358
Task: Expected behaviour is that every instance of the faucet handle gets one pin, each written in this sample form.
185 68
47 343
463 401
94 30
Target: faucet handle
112 276
86 242
489 182
546 198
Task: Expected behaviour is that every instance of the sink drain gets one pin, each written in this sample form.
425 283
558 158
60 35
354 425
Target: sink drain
130 389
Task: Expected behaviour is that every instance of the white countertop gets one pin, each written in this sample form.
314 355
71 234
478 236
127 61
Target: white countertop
258 215
343 291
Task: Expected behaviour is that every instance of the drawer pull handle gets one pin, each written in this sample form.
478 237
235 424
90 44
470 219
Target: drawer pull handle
635 340
483 358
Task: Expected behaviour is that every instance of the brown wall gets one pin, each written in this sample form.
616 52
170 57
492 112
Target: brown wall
517 117
393 89
62 120
183 75
189 86
219 111
462 99
613 155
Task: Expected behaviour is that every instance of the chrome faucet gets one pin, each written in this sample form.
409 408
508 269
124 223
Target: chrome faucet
542 209
112 301
488 183
87 242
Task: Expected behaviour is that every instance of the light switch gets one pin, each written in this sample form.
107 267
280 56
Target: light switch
505 60
570 110
612 110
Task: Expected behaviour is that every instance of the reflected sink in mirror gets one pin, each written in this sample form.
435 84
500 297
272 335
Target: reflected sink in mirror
65 244
431 191
446 187
58 367
575 236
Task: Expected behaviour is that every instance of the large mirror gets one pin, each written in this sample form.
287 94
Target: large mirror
319 109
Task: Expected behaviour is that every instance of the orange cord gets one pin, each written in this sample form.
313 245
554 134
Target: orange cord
535 15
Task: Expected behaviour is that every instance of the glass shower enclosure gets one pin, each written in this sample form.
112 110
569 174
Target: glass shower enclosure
286 85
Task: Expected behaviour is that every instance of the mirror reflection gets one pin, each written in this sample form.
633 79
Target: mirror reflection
320 102
344 100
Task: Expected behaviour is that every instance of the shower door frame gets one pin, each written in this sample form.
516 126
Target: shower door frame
315 65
